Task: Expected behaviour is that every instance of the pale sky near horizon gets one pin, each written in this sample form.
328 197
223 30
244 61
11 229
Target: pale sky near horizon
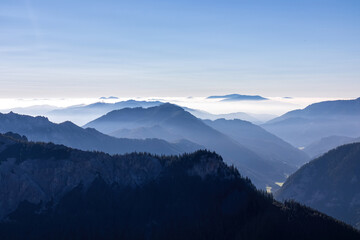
179 48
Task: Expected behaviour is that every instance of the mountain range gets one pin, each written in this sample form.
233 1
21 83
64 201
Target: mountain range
251 117
171 122
53 192
318 148
69 134
82 114
318 120
329 183
257 139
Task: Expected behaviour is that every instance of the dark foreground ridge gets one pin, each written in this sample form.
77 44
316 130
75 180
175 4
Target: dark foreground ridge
329 183
51 191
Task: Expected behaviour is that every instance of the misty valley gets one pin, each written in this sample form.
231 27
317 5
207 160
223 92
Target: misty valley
188 120
156 170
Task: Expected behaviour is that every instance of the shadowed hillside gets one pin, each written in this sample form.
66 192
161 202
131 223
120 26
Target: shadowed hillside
329 183
69 193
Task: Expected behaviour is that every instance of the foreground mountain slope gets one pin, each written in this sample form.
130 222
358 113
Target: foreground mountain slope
67 133
174 122
329 183
260 141
67 193
318 148
318 120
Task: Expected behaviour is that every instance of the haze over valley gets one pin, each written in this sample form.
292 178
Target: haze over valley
162 128
154 119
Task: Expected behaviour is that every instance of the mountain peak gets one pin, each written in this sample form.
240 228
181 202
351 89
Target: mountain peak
170 106
160 110
68 124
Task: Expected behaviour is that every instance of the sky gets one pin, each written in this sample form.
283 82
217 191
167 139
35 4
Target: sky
144 48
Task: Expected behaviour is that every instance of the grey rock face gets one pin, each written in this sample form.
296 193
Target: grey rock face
41 180
39 173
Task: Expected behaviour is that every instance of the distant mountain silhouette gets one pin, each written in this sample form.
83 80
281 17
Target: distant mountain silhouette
318 148
265 144
170 122
251 117
36 110
67 133
82 114
318 120
53 192
206 115
107 98
238 97
329 183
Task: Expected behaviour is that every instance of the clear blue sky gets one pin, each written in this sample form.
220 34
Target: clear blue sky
179 48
